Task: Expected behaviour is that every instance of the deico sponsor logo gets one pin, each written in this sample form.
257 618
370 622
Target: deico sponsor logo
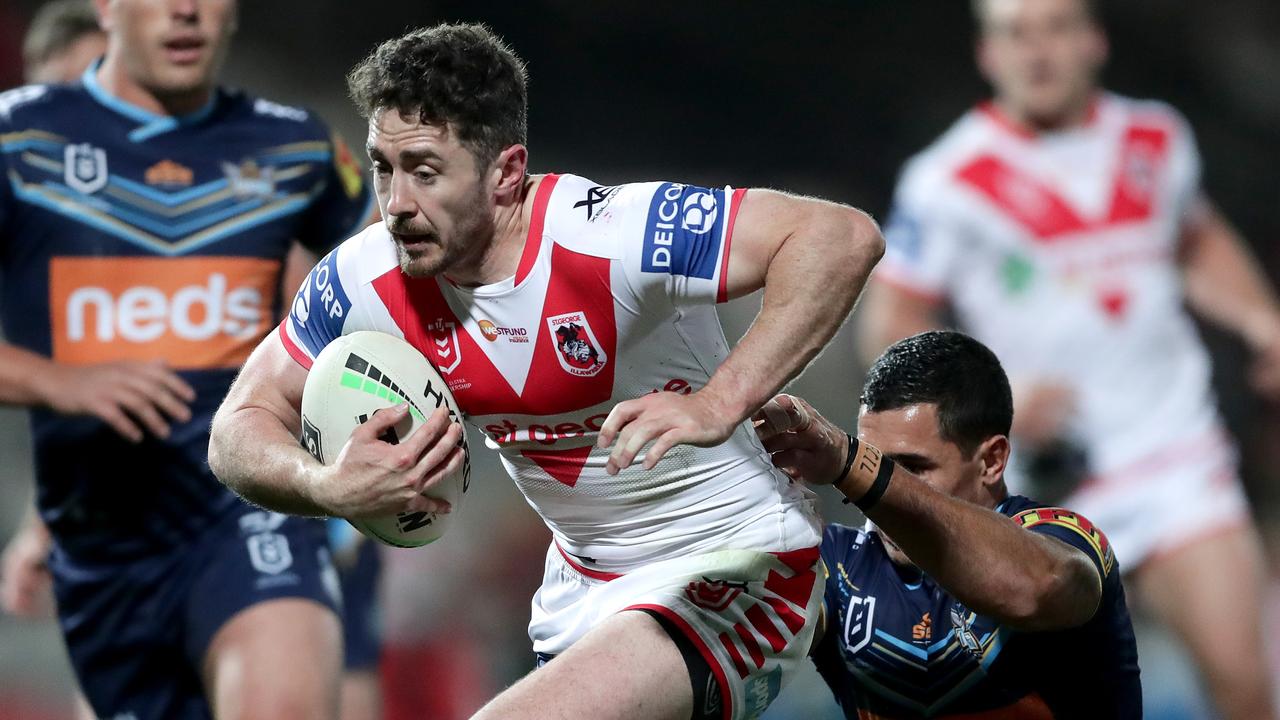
682 235
192 312
322 293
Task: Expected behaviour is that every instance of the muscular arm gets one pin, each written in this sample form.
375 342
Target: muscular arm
989 563
995 568
812 258
1224 283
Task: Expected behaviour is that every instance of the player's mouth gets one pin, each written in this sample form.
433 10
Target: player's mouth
185 49
416 242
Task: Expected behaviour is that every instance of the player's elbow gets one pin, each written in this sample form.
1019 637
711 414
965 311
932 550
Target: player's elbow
1063 594
865 243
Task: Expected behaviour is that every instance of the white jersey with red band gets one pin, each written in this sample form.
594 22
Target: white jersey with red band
1059 251
613 299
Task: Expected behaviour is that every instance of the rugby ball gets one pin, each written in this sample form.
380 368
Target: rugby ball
359 374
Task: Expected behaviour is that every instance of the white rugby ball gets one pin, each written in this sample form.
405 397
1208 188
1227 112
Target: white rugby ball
358 374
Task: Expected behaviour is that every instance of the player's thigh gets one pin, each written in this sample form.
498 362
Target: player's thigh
278 659
1210 591
361 695
626 668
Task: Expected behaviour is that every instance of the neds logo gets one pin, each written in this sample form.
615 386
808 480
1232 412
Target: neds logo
201 312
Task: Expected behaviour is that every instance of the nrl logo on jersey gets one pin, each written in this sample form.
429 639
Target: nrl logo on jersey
858 621
579 352
444 344
85 168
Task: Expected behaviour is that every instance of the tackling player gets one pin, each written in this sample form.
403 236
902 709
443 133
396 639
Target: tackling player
958 599
143 252
568 317
1065 227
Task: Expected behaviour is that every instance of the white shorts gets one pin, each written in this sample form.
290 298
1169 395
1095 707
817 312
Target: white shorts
1167 499
750 614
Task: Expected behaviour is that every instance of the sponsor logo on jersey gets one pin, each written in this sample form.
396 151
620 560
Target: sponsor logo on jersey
684 231
492 332
923 630
248 180
444 345
269 552
168 172
284 112
191 312
858 620
713 595
349 172
85 168
321 306
579 352
597 200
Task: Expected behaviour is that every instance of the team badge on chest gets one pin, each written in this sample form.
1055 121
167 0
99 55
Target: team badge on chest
577 349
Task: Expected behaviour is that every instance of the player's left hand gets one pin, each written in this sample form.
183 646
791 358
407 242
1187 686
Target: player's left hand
801 442
667 419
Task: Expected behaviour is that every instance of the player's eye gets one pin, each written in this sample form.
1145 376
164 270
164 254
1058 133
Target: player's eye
381 169
425 175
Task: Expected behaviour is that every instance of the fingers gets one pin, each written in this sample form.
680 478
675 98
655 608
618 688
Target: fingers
172 381
379 421
441 451
630 441
665 442
161 395
116 418
429 433
141 409
784 413
786 441
619 416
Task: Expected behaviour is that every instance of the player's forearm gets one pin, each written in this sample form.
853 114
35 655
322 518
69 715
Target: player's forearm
253 453
25 377
1224 283
982 558
810 286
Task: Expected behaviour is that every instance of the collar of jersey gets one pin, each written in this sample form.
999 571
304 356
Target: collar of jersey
150 123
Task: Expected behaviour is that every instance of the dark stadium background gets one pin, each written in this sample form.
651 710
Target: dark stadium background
819 97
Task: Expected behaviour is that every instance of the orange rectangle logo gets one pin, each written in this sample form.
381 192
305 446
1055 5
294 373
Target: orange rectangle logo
192 312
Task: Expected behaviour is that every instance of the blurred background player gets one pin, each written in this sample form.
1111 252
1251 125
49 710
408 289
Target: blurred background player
941 607
1065 226
62 40
180 591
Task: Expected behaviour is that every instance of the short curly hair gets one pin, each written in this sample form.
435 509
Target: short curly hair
462 75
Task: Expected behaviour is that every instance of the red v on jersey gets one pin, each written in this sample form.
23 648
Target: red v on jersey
1044 213
577 285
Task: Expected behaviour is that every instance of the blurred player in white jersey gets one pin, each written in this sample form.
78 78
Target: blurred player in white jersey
1065 226
568 317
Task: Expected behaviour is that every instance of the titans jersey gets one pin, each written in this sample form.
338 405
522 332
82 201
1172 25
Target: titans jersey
130 236
612 299
898 646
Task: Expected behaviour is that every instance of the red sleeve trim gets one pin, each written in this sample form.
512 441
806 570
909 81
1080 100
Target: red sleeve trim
537 219
734 203
292 348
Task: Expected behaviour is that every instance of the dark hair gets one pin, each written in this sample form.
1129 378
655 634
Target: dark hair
951 370
56 27
462 75
979 9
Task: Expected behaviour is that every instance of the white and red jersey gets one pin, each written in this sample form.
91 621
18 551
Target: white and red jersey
613 299
1058 251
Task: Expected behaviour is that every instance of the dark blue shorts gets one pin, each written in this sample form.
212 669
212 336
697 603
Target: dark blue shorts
137 632
360 617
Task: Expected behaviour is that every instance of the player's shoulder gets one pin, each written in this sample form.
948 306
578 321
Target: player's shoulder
838 541
365 256
294 122
1063 523
587 217
930 170
1143 110
31 106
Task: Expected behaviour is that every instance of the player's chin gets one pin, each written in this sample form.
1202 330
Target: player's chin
174 79
421 265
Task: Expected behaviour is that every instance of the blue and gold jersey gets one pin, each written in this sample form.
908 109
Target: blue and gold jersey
898 646
126 235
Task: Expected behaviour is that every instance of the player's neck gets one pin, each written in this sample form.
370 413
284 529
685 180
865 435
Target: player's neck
1073 115
510 232
115 81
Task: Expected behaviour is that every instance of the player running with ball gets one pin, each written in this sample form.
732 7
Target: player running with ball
554 308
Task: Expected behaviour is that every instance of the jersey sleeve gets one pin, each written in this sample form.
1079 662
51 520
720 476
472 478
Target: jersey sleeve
1186 167
675 240
320 310
1073 529
343 205
922 241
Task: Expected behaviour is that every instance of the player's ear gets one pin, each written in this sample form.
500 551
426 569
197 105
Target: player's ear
104 14
508 171
993 456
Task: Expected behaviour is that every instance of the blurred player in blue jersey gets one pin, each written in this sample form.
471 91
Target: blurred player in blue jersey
958 599
147 218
